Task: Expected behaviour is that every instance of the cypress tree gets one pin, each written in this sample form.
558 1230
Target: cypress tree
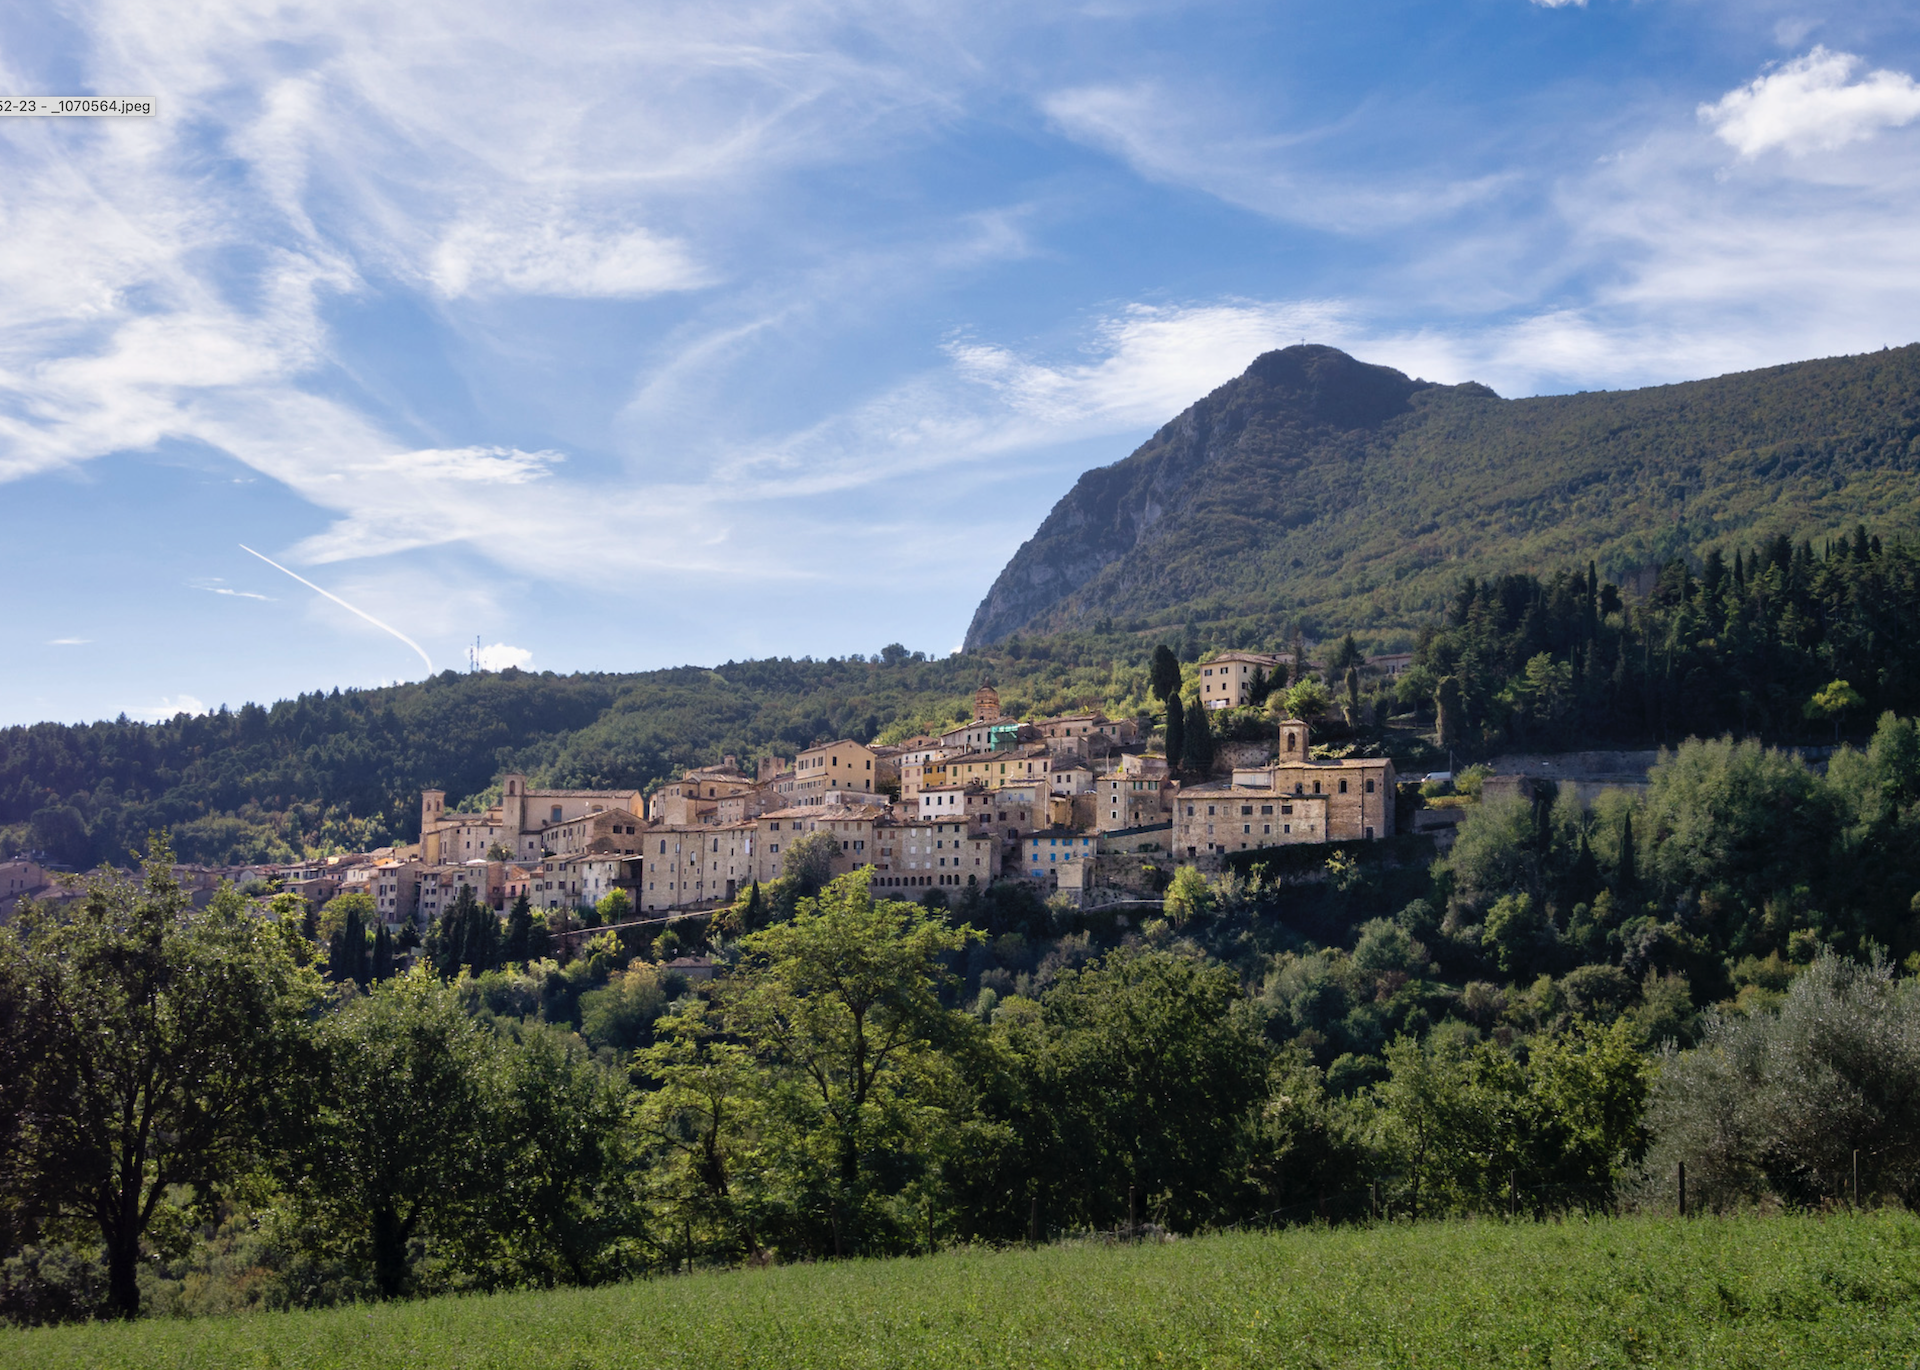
382 967
1198 742
1583 881
1176 733
519 929
1450 711
1164 674
1626 873
347 952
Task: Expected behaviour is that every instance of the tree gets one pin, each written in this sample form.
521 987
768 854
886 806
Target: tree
1308 701
1780 1101
1346 657
1141 1071
1164 673
1176 732
1450 711
1197 740
1351 708
808 862
333 918
566 1209
615 906
400 1147
1188 897
703 1119
347 957
517 948
1834 700
380 964
468 935
154 1045
840 1005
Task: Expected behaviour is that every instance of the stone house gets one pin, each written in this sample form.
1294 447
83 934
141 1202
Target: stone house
945 853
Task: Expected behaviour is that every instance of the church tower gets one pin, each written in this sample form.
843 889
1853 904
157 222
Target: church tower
1293 741
986 704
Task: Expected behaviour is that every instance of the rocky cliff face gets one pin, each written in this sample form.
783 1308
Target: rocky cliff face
1287 402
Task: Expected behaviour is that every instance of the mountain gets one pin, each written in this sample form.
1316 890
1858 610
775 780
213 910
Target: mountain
1341 495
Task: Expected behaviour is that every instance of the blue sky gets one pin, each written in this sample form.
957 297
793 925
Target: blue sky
620 336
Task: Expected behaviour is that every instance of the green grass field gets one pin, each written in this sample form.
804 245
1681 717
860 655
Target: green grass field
1816 1292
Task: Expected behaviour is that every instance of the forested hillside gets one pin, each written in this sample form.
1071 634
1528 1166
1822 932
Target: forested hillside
344 771
1349 497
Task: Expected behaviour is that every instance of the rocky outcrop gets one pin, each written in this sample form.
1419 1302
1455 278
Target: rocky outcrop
1296 396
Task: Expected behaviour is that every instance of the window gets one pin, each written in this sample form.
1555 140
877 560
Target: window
1369 787
1286 808
1246 827
1343 787
1369 834
1246 809
1209 811
1266 808
1316 787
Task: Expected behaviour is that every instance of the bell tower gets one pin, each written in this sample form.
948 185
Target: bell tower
433 805
1293 741
513 806
986 704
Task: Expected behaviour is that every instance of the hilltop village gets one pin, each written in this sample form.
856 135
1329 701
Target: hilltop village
1075 804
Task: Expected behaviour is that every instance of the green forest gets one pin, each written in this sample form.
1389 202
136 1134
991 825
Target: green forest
237 1107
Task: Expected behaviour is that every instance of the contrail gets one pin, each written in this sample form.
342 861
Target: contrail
344 605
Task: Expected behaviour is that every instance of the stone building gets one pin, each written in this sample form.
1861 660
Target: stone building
937 854
1227 681
1294 800
520 823
845 766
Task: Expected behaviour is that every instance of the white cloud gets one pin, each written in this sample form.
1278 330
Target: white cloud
171 705
1560 4
500 656
1811 104
1147 363
68 641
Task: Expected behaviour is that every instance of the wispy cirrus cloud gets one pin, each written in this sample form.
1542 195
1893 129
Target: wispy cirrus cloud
1168 136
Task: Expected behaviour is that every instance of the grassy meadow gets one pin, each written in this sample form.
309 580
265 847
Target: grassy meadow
1800 1291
